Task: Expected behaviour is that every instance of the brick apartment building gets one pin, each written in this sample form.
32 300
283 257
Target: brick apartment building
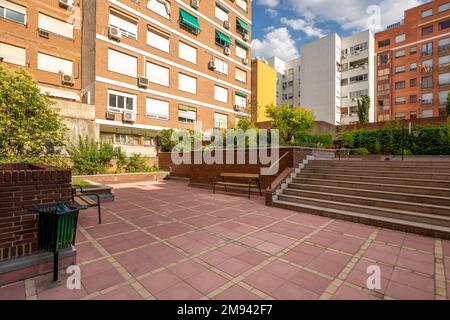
413 64
145 65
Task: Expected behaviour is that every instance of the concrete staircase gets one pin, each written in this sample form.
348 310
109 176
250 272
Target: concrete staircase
411 196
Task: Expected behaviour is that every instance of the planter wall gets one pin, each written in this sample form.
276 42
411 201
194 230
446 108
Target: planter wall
124 178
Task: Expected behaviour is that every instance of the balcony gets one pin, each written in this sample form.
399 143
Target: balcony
444 67
444 50
427 70
427 102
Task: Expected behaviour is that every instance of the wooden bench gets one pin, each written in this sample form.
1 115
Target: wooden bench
82 198
246 180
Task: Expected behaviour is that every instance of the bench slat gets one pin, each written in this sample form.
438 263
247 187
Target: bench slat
240 175
85 200
236 184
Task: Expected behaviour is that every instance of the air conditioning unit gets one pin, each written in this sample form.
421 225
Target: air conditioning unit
143 82
66 4
245 37
44 33
245 61
227 51
67 79
212 65
226 24
114 33
195 4
129 116
110 116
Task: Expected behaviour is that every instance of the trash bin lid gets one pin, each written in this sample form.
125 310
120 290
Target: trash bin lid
57 208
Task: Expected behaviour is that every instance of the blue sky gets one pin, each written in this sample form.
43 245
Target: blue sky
281 27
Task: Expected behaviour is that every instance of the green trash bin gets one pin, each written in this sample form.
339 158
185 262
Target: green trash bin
57 229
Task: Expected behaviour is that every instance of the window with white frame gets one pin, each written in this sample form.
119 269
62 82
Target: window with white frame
444 61
220 121
13 54
427 13
444 7
241 75
221 94
444 79
128 26
400 38
122 63
221 66
240 101
242 4
54 64
161 7
187 52
157 109
187 114
13 12
55 26
158 74
443 96
221 12
158 39
241 52
427 98
120 101
400 69
187 83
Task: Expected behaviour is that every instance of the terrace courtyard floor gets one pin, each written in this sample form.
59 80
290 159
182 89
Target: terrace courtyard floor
164 240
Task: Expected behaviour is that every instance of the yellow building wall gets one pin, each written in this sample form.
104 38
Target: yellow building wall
264 89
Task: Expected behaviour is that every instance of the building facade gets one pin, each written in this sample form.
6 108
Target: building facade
159 64
413 64
264 89
288 80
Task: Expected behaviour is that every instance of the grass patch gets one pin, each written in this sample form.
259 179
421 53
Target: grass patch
83 184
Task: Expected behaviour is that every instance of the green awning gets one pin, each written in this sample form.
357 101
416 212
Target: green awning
189 20
224 37
222 7
242 24
240 94
242 44
186 108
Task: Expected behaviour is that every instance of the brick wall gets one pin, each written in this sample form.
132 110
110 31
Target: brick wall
27 186
404 123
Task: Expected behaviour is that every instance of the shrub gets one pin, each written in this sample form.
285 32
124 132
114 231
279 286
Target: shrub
166 141
359 151
90 157
304 139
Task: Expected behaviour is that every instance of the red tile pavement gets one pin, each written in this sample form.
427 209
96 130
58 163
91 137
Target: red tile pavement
164 240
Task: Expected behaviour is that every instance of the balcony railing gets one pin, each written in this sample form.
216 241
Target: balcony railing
427 53
444 83
444 66
444 48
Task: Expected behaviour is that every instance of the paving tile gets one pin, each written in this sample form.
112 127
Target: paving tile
264 281
179 291
413 280
101 281
187 269
281 269
87 252
122 293
290 291
404 292
234 267
159 281
206 281
236 293
310 281
14 291
348 293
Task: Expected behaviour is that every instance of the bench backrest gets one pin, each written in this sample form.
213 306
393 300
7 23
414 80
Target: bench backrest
239 175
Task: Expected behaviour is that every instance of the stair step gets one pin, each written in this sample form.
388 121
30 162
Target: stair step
390 163
433 191
393 174
370 201
380 221
375 211
366 167
381 194
385 180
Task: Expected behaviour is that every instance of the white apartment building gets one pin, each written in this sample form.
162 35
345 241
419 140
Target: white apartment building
288 80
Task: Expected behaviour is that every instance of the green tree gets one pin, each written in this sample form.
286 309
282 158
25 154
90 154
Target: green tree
166 141
245 124
447 109
363 109
290 120
29 124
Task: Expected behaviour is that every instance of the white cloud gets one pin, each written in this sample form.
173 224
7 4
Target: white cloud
305 26
272 13
277 42
268 3
352 14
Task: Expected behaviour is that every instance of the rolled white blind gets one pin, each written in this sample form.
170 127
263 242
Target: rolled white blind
123 24
240 101
220 14
187 52
13 54
157 108
54 64
242 4
221 66
241 52
158 40
220 120
241 75
122 63
157 74
187 83
161 7
221 94
13 6
55 26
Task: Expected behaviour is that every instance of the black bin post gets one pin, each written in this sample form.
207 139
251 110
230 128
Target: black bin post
57 229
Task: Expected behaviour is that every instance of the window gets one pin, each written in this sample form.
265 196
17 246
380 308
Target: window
413 66
158 39
444 44
444 25
400 53
127 25
444 7
400 85
427 13
427 48
187 83
358 48
443 97
427 65
186 52
400 69
383 58
427 113
384 43
189 22
187 114
55 26
221 94
427 30
357 94
157 109
242 4
413 98
413 82
241 75
120 101
221 12
54 64
344 82
400 100
120 139
220 121
413 114
161 7
158 74
359 78
427 82
400 38
122 63
12 11
222 40
413 50
241 51
240 100
399 115
241 26
12 54
444 61
444 79
221 66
